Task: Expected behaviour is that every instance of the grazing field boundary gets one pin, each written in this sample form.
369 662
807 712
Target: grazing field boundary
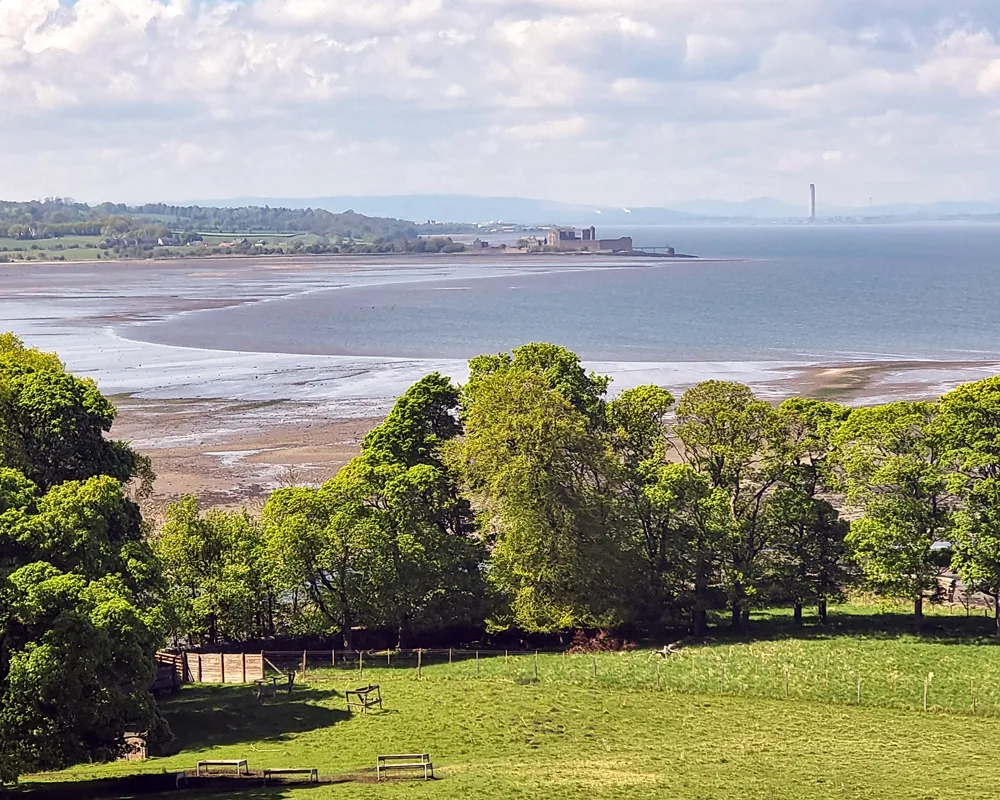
905 673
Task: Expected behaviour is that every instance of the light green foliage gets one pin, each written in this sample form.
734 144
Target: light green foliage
738 443
538 474
311 546
636 436
558 367
221 587
970 419
389 541
892 459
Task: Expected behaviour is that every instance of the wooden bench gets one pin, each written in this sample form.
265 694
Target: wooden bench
239 763
367 697
277 773
410 761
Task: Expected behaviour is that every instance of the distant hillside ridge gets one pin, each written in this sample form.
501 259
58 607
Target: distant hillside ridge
53 217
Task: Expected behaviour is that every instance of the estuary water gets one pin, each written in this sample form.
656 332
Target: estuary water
778 293
781 307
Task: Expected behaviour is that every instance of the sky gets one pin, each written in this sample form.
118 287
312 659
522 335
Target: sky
612 102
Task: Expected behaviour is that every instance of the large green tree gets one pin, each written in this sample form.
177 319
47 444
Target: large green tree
636 432
219 577
692 524
894 462
969 418
807 534
558 367
538 474
389 541
81 596
737 442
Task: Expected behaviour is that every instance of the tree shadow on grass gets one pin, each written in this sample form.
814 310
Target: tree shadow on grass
935 628
202 717
131 787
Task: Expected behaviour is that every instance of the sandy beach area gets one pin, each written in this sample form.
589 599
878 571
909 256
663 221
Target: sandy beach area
233 453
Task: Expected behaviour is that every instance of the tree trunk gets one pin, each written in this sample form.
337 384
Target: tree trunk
918 611
996 612
347 630
797 614
699 614
737 616
699 622
821 610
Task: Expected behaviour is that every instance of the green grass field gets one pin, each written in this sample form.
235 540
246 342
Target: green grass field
492 729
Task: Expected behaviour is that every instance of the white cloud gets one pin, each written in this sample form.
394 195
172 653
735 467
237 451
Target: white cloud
662 100
550 129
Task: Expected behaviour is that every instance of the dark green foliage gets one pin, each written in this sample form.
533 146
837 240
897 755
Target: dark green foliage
56 217
81 611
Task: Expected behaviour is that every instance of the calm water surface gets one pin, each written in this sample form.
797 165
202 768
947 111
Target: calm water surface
823 293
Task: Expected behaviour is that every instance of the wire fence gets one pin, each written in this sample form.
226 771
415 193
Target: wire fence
962 687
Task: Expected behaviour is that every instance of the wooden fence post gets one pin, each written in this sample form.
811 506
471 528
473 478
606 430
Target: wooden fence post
333 657
303 662
449 655
222 667
420 664
536 665
199 667
243 659
388 658
263 665
361 662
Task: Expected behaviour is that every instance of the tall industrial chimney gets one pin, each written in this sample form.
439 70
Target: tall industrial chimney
812 202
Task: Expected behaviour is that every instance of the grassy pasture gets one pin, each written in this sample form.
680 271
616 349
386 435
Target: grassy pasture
494 730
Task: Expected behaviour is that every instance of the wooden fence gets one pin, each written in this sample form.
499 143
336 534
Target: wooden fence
214 667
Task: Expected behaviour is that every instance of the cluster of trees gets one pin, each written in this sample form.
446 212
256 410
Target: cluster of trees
528 500
56 217
525 500
82 600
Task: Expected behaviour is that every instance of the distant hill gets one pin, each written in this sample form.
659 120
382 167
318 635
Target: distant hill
60 217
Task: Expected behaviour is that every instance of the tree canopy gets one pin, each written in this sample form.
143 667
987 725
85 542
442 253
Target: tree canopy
81 597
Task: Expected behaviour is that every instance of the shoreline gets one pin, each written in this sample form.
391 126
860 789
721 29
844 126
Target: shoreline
235 452
233 425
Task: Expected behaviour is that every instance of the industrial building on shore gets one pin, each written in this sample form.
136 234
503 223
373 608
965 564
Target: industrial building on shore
568 240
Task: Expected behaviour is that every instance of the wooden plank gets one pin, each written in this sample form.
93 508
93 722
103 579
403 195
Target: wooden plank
255 667
232 668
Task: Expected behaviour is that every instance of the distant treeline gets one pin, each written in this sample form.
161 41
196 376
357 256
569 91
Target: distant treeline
56 217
